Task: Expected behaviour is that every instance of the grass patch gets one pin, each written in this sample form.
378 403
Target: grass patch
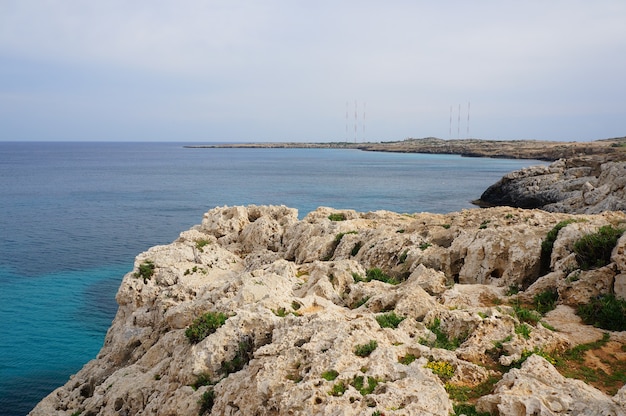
403 257
545 301
360 302
424 246
407 359
442 340
200 244
468 410
358 382
204 326
526 315
606 312
378 274
338 389
330 375
523 330
364 350
594 250
389 320
338 216
146 271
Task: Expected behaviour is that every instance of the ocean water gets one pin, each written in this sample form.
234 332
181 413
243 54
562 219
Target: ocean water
73 216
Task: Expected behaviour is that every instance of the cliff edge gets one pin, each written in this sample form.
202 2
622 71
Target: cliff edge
256 312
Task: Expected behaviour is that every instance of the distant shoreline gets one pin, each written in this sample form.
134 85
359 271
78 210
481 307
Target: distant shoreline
505 149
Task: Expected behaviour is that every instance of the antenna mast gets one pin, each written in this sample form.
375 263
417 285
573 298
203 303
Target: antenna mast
468 118
363 136
450 133
458 124
355 120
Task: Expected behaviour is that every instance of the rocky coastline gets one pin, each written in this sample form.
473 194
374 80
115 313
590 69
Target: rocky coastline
509 149
354 313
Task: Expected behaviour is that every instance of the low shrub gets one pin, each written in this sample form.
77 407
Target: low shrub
594 250
338 216
204 326
468 410
364 350
146 271
546 301
389 320
200 244
330 375
407 359
378 274
338 389
243 356
359 383
356 248
206 402
606 312
548 243
442 340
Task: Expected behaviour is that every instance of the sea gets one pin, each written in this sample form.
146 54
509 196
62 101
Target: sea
73 216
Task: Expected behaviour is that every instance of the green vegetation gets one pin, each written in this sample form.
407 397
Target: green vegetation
243 356
201 243
548 243
463 393
446 226
484 224
378 274
338 389
364 350
594 250
403 257
330 375
525 314
442 340
407 359
424 246
146 271
443 369
339 216
389 320
606 312
359 383
203 379
205 326
468 410
545 301
523 330
356 248
206 402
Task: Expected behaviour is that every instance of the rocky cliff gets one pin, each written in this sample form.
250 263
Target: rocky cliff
583 185
347 313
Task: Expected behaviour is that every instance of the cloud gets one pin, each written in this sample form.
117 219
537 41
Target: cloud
287 68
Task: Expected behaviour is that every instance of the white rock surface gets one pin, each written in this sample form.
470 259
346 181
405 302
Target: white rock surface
297 304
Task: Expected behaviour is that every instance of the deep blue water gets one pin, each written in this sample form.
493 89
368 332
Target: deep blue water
73 216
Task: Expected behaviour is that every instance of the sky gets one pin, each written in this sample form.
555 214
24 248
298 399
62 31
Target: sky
316 71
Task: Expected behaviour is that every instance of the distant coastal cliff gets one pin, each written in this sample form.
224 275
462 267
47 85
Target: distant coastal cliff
256 312
510 149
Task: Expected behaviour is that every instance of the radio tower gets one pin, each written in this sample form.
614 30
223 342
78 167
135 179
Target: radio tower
363 136
347 104
355 120
468 110
458 124
450 134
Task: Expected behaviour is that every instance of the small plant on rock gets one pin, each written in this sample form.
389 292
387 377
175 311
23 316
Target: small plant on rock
389 320
330 375
204 326
206 402
594 250
606 312
358 382
146 271
407 359
443 369
546 301
338 216
338 389
364 350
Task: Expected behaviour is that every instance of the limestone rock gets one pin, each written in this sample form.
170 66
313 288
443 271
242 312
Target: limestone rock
301 305
538 389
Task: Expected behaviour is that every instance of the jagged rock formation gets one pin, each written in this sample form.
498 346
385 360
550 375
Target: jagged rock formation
302 336
584 185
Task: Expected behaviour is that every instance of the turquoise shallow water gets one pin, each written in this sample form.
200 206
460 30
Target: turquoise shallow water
74 215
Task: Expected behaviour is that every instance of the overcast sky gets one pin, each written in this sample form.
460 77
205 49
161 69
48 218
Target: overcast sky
288 70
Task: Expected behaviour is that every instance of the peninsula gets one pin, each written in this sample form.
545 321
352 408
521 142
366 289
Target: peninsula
510 149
